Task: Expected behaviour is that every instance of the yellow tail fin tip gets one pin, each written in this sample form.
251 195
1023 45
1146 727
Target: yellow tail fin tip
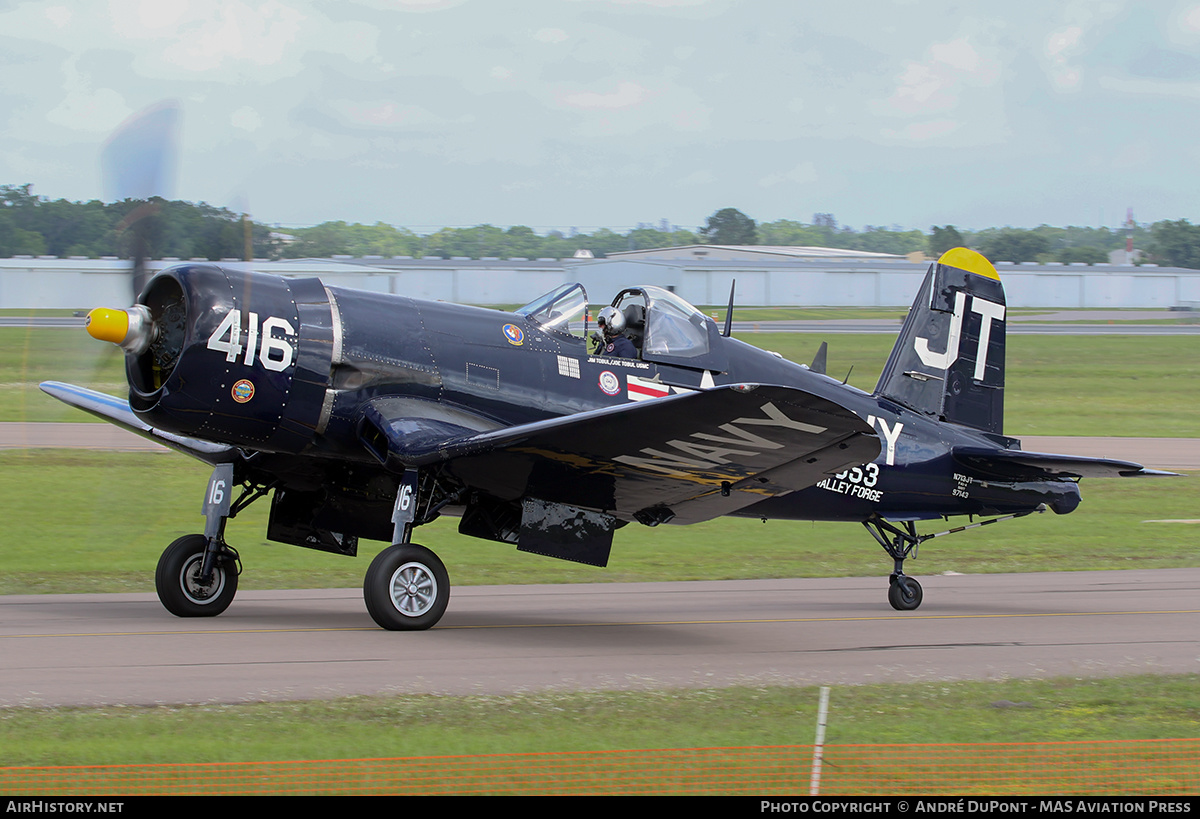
969 260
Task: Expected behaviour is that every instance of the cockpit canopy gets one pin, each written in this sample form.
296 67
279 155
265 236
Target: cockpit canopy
663 327
560 310
670 326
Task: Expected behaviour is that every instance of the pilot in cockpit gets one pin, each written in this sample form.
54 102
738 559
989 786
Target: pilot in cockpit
613 341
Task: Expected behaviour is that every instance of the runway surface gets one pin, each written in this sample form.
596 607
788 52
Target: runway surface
125 649
91 649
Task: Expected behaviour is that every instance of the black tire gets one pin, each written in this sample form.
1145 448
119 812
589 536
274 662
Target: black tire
905 593
175 580
406 588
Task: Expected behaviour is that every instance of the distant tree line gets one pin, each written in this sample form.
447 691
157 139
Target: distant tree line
36 226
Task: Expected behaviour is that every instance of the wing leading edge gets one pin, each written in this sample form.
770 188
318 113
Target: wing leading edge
117 412
686 458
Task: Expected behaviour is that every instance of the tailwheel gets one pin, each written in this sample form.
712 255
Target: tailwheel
406 588
904 593
179 578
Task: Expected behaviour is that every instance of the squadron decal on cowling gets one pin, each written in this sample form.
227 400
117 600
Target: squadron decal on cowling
242 391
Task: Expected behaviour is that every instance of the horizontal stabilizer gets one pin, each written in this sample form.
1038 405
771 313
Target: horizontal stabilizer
1015 465
117 411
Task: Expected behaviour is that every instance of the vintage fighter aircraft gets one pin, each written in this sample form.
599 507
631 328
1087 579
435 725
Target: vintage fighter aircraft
368 415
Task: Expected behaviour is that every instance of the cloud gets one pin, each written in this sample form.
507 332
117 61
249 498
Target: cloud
1184 29
803 174
658 4
224 40
664 4
697 179
246 118
59 16
923 131
1152 87
627 95
550 35
1059 48
937 83
388 115
83 108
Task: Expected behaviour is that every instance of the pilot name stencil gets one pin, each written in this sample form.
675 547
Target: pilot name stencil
618 362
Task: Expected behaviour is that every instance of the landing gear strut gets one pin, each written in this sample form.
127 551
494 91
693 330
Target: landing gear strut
197 575
904 592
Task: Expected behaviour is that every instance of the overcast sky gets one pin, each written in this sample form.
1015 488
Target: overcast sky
586 113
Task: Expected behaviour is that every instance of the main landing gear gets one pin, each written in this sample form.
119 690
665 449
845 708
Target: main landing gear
197 575
407 586
184 587
904 592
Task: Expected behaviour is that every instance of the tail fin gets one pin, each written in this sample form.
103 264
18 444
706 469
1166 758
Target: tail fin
949 359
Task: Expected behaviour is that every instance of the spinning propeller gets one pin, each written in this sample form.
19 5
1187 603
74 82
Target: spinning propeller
138 165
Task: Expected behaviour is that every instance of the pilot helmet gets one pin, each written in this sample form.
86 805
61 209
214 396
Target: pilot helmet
611 320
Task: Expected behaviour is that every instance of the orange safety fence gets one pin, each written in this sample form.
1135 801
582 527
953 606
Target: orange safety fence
1119 767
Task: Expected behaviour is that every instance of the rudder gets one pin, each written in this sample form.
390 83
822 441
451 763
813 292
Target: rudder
949 359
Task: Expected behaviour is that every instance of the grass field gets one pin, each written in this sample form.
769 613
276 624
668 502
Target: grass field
97 522
79 521
1145 707
1130 386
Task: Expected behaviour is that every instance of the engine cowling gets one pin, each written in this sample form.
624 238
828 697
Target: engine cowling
231 356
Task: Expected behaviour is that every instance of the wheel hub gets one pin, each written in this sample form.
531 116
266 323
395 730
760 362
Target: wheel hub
193 588
413 589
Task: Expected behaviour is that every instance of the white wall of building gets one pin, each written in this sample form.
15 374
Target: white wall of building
82 284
